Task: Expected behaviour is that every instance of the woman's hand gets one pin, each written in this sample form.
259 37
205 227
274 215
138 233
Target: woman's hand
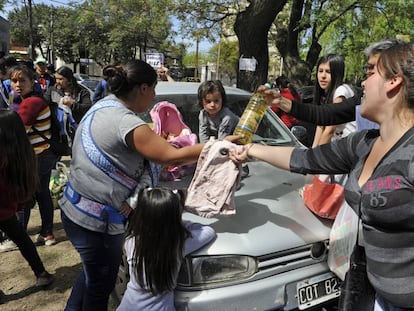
68 101
238 155
274 98
234 138
125 209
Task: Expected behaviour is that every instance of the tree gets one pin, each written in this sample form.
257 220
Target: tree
250 20
2 4
376 23
308 21
125 29
252 27
227 59
106 30
20 28
190 59
303 29
69 41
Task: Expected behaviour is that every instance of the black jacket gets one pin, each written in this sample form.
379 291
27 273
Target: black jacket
327 114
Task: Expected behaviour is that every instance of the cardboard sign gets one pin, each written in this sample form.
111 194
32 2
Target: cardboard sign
156 60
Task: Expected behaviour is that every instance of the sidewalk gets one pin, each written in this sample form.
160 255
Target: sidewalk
17 280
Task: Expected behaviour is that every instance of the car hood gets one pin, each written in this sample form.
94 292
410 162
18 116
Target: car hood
270 215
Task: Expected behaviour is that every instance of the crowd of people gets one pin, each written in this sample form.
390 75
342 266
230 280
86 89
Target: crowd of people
112 200
28 88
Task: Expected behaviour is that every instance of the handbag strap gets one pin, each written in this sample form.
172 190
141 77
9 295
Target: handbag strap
97 156
359 221
95 153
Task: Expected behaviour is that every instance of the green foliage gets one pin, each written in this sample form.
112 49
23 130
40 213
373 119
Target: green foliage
70 43
110 31
105 30
227 59
369 22
207 20
190 59
2 4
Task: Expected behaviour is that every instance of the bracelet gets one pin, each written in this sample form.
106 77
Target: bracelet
247 152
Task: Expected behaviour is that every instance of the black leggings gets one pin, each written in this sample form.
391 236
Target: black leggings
18 235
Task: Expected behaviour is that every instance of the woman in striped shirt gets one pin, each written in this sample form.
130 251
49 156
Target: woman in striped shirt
380 164
35 114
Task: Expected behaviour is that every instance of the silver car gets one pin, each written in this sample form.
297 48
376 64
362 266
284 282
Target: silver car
270 255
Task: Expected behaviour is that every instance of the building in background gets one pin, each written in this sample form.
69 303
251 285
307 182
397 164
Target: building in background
4 35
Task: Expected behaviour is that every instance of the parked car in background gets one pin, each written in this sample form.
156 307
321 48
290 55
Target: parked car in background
81 76
176 73
90 83
270 255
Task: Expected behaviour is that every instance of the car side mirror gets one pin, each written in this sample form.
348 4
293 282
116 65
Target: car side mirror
299 132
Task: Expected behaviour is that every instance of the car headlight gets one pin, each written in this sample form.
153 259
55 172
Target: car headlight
205 270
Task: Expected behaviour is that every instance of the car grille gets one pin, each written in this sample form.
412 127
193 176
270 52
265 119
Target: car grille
294 258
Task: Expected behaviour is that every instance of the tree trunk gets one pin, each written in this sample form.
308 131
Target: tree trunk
252 27
286 40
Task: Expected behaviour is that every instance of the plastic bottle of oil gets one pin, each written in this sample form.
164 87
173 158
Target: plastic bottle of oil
251 117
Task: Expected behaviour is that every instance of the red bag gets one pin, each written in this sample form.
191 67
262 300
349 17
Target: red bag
323 198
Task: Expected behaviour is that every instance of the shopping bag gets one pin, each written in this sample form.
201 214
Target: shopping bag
342 239
323 198
58 179
357 293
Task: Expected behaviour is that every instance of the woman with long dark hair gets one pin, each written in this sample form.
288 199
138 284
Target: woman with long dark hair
69 92
36 116
18 182
329 88
157 239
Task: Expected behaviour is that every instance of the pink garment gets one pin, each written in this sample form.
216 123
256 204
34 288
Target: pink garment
211 191
168 123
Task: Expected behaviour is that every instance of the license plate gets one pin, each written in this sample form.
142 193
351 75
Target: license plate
313 291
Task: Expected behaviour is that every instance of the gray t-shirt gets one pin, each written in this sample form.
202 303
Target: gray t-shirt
219 126
109 128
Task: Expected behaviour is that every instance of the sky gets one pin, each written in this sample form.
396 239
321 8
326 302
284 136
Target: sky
204 46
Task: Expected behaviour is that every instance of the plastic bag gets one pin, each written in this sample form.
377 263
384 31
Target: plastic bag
323 198
342 240
58 179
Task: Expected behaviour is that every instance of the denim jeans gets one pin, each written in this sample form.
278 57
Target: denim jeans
101 255
45 165
18 235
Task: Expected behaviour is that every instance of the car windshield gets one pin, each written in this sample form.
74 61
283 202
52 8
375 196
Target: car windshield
270 131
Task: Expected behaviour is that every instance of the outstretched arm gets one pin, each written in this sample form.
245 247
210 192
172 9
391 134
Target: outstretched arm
317 114
326 114
274 155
